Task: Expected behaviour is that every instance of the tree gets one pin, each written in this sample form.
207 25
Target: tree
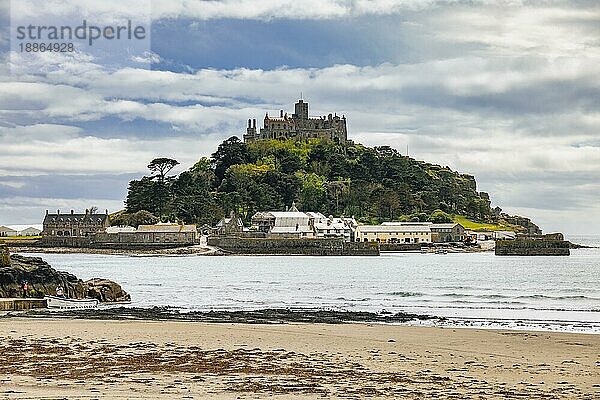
162 166
142 217
440 217
312 194
336 190
231 152
136 219
148 195
374 184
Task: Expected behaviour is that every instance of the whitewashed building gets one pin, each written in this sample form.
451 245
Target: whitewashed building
30 231
6 231
393 233
328 227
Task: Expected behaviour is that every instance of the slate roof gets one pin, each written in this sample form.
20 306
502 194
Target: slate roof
79 218
167 228
291 229
449 225
394 228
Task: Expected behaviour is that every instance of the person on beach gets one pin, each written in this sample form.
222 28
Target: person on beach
59 291
25 289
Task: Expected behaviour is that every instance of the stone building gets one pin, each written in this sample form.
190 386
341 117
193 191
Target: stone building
6 231
231 225
289 223
72 224
448 232
299 125
440 233
329 227
393 233
157 234
29 231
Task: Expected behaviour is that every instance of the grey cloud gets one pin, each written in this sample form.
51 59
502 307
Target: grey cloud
106 187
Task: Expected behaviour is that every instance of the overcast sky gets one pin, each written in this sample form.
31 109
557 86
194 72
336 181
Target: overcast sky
508 91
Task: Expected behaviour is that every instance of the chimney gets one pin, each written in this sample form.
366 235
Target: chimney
281 113
72 212
58 212
106 211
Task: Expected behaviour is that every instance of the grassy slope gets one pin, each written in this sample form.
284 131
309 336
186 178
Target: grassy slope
483 226
19 237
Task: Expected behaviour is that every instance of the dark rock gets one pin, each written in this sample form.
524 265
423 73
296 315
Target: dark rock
106 291
265 316
42 279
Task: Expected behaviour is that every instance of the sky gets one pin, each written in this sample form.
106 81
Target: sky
508 91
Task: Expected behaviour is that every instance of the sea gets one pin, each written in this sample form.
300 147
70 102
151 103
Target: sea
462 289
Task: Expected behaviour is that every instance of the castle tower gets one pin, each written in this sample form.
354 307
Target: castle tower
301 110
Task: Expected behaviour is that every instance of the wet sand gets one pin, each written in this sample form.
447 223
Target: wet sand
76 358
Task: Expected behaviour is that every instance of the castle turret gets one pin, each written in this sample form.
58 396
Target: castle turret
301 109
250 131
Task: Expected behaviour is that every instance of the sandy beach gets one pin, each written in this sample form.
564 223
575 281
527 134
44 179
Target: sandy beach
76 358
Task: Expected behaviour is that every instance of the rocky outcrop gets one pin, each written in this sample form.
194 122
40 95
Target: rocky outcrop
526 223
106 290
42 279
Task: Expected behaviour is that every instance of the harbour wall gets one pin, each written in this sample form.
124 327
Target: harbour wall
398 247
532 247
122 240
314 247
21 304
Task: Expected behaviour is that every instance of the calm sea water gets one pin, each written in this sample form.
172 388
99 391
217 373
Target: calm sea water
555 293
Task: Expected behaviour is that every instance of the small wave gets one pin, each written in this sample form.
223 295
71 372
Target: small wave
571 297
486 302
450 305
404 294
345 299
481 296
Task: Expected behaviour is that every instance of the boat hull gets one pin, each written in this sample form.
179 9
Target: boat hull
61 303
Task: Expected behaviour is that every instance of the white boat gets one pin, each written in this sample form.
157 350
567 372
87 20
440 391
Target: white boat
62 303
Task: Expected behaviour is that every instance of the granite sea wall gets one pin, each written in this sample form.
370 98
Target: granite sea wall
321 247
534 245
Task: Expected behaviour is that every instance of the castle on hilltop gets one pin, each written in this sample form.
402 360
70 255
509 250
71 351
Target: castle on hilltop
299 126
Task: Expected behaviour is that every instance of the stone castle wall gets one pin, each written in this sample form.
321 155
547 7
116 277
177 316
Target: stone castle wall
125 240
320 247
532 247
397 247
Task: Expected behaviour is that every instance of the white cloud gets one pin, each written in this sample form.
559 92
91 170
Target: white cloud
40 149
111 10
24 210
